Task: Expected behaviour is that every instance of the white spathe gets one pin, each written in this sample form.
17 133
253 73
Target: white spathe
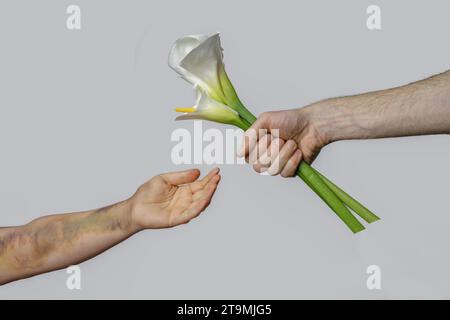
199 60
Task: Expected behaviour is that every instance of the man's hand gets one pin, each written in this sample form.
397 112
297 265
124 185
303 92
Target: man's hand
171 199
418 108
279 140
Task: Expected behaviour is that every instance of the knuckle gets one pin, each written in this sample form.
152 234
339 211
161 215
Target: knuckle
276 143
275 149
250 135
265 115
265 160
291 144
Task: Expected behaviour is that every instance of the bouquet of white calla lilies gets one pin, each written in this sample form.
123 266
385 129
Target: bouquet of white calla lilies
199 60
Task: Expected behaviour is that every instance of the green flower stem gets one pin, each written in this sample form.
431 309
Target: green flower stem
241 123
244 113
349 201
231 99
315 182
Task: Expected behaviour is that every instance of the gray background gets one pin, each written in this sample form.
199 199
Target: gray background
86 117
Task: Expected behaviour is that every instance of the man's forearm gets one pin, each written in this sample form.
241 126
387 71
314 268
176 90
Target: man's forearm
55 242
418 108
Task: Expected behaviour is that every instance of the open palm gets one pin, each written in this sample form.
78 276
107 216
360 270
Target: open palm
174 198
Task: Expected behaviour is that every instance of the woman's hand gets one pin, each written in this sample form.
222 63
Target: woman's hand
171 199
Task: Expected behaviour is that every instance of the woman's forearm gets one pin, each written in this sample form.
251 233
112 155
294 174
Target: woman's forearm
418 108
57 241
54 242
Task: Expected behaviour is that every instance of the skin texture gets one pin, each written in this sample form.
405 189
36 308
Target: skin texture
58 241
279 140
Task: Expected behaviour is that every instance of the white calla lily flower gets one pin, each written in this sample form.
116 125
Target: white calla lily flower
210 109
199 60
179 51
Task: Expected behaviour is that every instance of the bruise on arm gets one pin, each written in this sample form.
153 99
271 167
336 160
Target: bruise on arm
24 248
29 248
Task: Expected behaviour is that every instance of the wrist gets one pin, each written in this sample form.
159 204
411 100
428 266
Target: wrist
336 119
128 219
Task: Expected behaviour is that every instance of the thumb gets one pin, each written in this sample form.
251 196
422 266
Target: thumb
259 128
181 177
